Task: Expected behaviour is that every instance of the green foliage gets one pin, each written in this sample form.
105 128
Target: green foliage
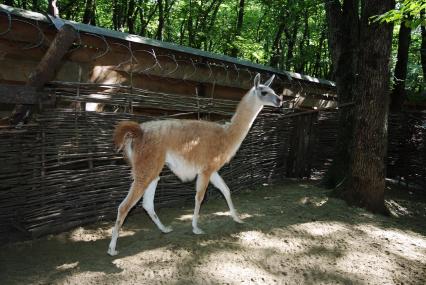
407 12
288 34
274 29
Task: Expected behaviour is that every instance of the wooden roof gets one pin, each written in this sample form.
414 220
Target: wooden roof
161 44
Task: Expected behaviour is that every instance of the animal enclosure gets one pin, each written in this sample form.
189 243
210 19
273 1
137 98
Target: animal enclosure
60 170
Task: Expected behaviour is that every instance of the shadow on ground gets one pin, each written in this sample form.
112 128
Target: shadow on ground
292 234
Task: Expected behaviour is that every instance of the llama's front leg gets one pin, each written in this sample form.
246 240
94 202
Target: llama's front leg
148 205
135 193
202 182
218 182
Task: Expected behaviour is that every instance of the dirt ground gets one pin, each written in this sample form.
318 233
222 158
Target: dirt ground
293 234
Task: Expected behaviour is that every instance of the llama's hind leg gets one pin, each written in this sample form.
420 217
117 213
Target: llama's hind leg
135 193
218 182
148 205
202 183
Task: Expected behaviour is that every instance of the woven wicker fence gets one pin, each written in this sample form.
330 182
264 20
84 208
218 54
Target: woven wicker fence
406 159
61 170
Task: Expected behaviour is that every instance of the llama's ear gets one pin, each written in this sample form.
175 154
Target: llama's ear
256 80
267 83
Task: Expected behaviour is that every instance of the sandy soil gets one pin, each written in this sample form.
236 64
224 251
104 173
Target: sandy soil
293 234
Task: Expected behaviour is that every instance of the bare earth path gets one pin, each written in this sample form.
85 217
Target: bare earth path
293 234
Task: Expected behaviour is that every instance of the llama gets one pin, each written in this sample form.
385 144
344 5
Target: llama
190 148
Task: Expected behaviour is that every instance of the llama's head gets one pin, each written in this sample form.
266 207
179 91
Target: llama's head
264 94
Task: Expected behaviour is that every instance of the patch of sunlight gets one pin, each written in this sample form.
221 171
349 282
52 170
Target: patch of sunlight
86 277
188 146
67 266
158 257
372 263
82 234
315 201
222 214
259 240
321 228
99 96
396 209
402 243
223 268
186 217
242 216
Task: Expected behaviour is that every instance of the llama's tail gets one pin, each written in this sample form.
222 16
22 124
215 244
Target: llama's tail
125 133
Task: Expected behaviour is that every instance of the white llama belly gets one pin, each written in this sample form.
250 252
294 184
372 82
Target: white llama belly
181 168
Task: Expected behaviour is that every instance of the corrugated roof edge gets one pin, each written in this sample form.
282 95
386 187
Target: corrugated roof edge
160 44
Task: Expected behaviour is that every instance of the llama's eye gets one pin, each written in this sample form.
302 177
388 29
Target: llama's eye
263 93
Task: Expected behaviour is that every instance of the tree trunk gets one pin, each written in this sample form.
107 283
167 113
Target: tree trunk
115 14
132 11
423 49
303 44
89 12
343 27
366 183
160 27
276 44
35 5
318 55
119 14
53 8
398 94
168 30
333 16
191 36
146 20
291 42
239 27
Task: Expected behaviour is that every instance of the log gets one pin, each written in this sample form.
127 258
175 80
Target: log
46 70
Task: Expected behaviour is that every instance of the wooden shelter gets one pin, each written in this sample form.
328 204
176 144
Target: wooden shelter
106 59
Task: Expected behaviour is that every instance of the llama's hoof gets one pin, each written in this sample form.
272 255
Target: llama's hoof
112 252
198 231
167 230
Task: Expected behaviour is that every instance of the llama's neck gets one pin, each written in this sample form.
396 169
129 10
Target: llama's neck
243 119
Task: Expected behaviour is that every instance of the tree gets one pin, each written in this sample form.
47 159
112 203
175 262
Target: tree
361 52
53 9
366 183
160 27
239 26
423 45
398 94
343 38
409 14
89 12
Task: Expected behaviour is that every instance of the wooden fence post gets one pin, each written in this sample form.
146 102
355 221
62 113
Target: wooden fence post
301 144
